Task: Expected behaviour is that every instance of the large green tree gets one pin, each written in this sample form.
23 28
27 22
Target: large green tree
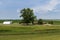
28 15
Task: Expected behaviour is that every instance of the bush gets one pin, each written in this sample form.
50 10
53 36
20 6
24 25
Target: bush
40 21
50 22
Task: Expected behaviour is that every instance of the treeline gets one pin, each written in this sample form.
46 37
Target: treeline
36 21
14 21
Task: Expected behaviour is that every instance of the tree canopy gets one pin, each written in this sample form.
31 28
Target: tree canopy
28 15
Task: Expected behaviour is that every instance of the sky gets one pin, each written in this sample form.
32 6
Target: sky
43 9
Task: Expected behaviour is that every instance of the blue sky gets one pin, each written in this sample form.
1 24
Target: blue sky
44 9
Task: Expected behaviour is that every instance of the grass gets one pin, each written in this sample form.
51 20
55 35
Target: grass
30 37
31 32
20 29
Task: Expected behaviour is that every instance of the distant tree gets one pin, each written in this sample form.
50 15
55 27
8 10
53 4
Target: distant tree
28 15
40 21
50 22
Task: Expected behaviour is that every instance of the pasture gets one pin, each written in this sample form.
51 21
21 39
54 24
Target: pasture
30 37
30 32
18 31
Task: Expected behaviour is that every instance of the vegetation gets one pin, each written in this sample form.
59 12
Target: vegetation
27 15
50 22
14 21
30 37
40 21
31 32
55 22
18 31
31 29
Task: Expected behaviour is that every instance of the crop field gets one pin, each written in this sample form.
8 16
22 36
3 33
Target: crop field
30 32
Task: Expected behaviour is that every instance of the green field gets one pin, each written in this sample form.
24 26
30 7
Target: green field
30 32
30 37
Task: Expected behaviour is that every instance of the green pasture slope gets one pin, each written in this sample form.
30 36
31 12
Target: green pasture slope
30 32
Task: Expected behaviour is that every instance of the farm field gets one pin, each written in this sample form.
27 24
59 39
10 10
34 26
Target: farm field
30 32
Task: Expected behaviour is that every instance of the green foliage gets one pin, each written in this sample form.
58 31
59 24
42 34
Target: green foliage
40 21
27 15
14 21
50 22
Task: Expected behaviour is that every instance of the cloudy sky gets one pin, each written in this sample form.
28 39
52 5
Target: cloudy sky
45 9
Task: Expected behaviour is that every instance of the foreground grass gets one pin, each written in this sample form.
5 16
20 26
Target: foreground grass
31 32
30 29
30 37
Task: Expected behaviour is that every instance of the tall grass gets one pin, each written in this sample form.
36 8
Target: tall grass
33 29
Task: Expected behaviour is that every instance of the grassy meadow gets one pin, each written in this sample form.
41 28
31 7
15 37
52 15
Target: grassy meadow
17 31
31 32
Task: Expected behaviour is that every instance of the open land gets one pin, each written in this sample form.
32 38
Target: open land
17 31
30 32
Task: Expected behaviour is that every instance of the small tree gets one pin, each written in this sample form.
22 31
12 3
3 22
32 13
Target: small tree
40 21
50 22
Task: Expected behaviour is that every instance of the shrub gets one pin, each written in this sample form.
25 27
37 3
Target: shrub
40 21
50 22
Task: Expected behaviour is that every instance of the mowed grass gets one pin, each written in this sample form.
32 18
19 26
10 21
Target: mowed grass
30 32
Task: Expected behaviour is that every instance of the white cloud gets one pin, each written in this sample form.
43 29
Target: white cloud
45 8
